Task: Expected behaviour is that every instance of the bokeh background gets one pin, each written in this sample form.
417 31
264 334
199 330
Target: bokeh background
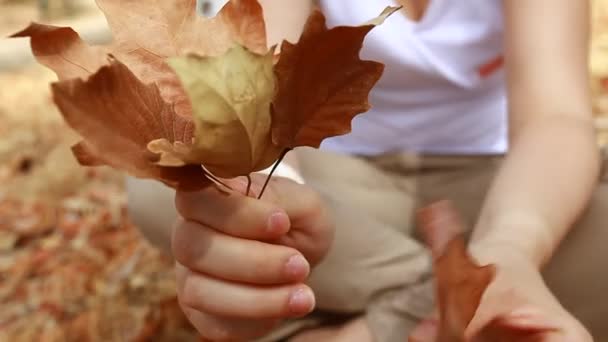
72 265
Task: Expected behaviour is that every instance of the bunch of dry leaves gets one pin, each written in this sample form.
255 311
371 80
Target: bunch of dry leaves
185 100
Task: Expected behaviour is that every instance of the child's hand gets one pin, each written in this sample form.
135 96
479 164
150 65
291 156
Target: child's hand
517 306
242 262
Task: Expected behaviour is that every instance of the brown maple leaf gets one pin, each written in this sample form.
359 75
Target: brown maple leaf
145 34
119 115
322 83
460 282
152 99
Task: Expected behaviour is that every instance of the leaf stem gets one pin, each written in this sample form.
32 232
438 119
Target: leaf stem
217 180
248 185
283 154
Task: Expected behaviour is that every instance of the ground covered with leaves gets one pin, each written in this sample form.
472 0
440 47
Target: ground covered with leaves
72 266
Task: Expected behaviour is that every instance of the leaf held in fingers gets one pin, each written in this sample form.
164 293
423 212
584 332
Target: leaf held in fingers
322 82
231 97
182 93
460 281
118 115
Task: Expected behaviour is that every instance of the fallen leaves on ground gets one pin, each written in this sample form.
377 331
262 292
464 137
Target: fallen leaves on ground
72 266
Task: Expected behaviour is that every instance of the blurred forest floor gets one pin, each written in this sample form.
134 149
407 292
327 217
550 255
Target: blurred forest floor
72 266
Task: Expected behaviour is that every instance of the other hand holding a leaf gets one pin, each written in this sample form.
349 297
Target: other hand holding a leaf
516 306
504 301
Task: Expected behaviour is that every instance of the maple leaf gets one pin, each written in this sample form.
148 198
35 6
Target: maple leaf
460 282
322 82
143 40
145 34
231 96
119 115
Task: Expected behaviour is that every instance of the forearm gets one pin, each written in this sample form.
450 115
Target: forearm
542 187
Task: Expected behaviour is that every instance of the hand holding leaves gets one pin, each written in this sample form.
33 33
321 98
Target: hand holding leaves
175 91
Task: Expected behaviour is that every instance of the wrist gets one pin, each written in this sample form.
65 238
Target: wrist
501 253
515 234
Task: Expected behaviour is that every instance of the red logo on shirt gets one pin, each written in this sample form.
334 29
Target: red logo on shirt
491 67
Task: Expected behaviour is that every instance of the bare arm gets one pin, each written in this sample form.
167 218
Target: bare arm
553 163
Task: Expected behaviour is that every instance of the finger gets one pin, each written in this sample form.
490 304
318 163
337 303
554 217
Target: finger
492 307
528 319
212 296
204 250
305 209
497 333
218 329
525 321
300 202
233 213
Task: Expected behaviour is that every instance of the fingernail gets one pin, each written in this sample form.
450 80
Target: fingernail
278 224
297 267
301 301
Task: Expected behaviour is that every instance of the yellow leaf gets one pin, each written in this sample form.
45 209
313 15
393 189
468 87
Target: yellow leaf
231 96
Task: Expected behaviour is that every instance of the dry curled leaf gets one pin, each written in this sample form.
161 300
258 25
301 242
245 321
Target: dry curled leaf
322 82
460 281
231 97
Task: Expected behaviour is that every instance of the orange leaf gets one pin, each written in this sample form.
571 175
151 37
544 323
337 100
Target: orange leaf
118 115
145 34
151 100
171 28
61 50
460 281
322 83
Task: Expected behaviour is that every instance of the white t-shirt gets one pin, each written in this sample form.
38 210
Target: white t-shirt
443 88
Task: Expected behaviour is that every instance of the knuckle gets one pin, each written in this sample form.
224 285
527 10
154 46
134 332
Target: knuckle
270 262
188 204
190 295
183 203
219 333
312 201
183 250
259 267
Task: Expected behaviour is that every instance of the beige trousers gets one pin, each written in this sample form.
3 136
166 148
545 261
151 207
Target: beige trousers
378 267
